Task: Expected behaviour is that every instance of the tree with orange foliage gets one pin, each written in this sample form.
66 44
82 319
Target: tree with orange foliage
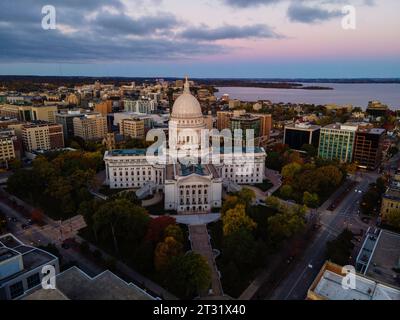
165 251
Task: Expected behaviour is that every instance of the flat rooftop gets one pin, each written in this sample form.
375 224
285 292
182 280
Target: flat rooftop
76 285
128 152
343 126
328 286
303 127
46 295
244 150
386 258
32 257
6 253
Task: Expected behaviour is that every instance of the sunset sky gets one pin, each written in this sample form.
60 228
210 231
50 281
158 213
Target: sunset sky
202 38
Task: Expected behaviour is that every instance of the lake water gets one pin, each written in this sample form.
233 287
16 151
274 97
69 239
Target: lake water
356 94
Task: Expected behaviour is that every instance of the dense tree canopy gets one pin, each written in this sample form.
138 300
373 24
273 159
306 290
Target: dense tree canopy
165 252
236 219
339 250
58 182
157 227
118 219
189 274
310 183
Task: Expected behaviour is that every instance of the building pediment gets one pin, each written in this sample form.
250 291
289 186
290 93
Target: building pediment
194 178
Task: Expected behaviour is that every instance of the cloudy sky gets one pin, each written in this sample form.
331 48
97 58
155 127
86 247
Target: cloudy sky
202 38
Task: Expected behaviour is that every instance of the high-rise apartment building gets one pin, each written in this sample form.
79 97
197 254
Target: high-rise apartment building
90 127
140 106
42 136
133 128
261 123
7 147
66 119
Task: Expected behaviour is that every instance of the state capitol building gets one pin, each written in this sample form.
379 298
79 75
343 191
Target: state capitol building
191 184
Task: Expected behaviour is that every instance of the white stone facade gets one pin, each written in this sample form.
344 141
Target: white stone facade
188 188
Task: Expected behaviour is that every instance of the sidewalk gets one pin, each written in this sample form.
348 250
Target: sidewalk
53 237
200 241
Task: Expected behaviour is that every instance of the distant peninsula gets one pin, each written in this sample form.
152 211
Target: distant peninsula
267 85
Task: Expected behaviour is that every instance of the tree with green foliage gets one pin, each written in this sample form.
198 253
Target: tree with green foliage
118 219
3 222
289 171
339 250
286 192
273 202
311 200
274 161
288 222
247 195
310 150
15 164
240 247
58 182
371 201
188 275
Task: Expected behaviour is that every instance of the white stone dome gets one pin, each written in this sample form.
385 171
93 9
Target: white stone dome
186 105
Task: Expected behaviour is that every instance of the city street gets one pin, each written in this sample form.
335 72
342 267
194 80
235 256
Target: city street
296 285
42 236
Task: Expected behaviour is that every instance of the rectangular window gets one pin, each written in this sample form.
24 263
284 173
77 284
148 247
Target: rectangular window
16 290
33 280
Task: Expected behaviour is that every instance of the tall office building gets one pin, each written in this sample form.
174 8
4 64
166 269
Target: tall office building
337 142
368 147
297 135
246 122
90 127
